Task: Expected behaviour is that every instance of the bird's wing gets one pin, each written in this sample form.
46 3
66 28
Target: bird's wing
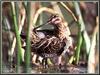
49 45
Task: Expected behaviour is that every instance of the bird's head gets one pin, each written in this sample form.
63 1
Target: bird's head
55 19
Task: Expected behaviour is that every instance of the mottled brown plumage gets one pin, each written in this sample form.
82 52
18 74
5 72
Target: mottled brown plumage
51 44
55 44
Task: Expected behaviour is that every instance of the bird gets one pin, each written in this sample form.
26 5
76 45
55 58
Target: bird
49 44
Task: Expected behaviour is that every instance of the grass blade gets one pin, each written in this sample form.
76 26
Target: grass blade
81 22
81 28
27 54
17 36
91 57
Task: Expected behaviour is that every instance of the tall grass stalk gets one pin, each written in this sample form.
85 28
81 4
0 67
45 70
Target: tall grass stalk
81 28
27 54
0 52
20 27
91 57
82 24
79 44
15 19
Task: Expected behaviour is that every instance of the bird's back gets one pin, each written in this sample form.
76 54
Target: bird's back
49 46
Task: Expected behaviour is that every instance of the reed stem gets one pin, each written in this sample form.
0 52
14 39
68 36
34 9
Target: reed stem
15 19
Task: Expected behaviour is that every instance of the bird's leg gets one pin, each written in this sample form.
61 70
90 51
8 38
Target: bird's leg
44 62
60 60
59 63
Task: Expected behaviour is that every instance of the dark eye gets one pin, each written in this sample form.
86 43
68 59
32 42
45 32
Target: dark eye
56 15
52 17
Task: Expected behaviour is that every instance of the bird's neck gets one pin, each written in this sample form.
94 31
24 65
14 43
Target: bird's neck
62 31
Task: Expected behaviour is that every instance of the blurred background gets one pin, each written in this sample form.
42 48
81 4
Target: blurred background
40 13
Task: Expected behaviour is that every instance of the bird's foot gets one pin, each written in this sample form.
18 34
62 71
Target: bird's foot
44 63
